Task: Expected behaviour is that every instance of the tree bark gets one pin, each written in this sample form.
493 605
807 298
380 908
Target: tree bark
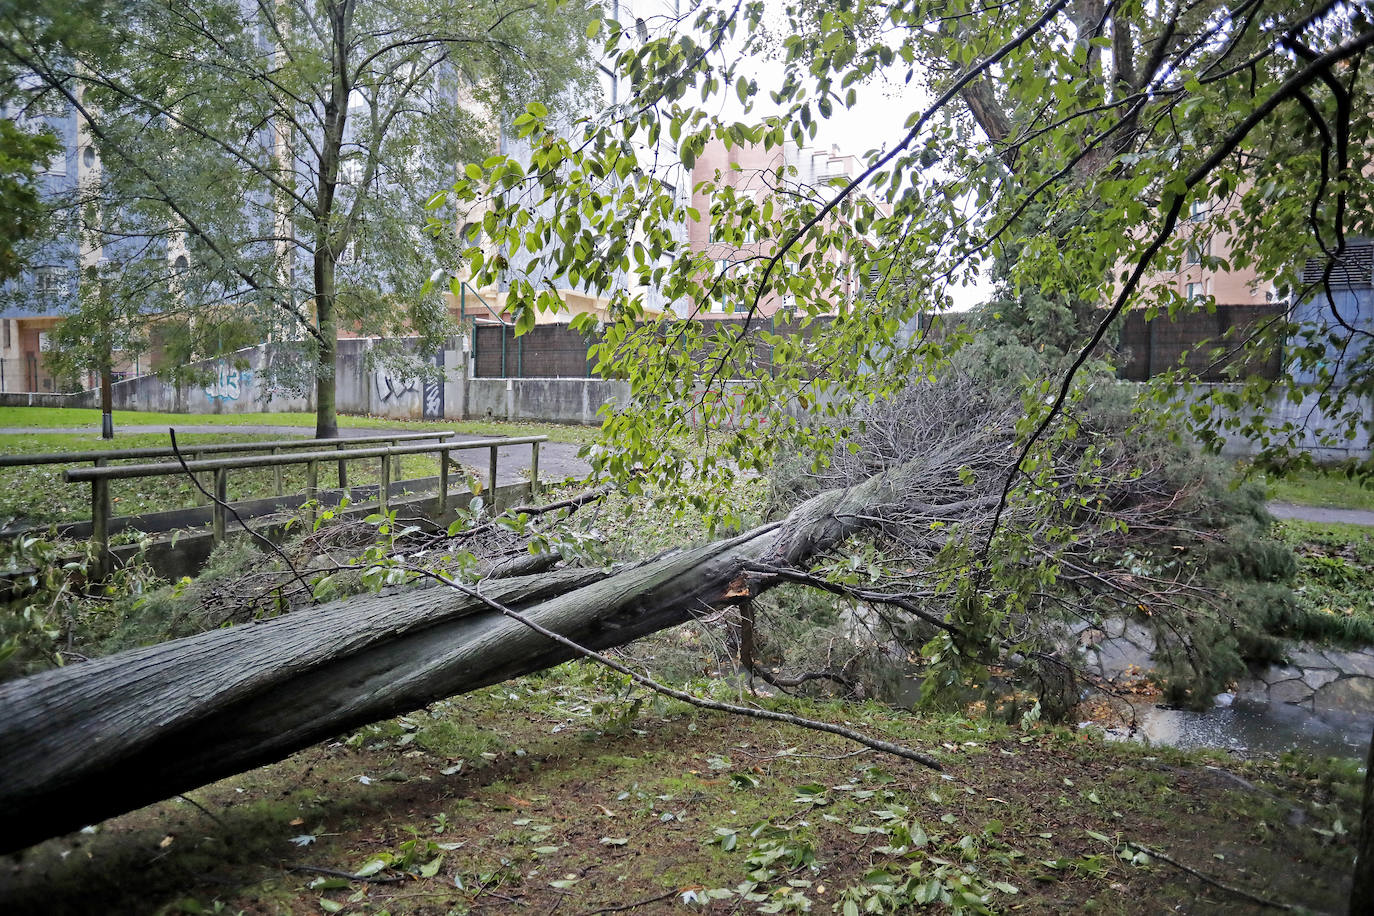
87 742
326 413
106 398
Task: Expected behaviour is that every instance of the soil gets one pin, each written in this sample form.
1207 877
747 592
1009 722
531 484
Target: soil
566 794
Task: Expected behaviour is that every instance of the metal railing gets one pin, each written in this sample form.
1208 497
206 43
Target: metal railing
100 476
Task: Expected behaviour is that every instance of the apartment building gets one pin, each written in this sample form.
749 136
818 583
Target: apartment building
759 173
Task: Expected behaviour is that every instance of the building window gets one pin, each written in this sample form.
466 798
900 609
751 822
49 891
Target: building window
50 281
57 165
1194 292
88 157
181 263
1197 210
1197 251
9 333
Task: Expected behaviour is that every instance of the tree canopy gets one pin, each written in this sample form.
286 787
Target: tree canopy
21 152
1066 143
268 162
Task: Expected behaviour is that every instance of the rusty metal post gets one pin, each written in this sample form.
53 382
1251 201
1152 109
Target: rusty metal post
343 471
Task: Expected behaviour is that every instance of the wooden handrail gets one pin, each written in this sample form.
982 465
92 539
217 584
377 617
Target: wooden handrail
164 451
126 471
100 476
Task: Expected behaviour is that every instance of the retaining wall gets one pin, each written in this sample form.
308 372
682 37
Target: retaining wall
242 385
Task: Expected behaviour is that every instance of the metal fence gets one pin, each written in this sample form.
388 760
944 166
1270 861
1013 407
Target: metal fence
1207 344
558 351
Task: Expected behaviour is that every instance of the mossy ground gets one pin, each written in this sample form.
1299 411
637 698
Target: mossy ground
566 793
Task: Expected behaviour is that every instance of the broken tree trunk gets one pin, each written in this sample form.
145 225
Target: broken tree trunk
87 742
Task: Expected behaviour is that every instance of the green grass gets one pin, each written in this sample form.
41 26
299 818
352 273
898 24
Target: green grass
39 495
1328 488
1334 589
72 417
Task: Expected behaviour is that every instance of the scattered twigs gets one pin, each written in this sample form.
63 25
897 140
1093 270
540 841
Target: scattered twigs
1205 879
876 744
204 810
349 876
836 588
195 481
574 502
764 757
631 906
783 682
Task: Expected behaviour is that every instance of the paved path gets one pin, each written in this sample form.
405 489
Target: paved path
557 460
1321 514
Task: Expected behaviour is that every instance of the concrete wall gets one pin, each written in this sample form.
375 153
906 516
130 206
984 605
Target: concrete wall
552 400
455 396
37 399
243 385
1302 423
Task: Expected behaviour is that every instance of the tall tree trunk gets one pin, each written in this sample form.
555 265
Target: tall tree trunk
326 319
89 741
106 398
340 16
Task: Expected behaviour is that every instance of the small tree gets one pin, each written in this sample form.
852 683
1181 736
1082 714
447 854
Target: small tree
272 162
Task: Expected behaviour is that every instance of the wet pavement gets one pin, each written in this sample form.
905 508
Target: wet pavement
1321 514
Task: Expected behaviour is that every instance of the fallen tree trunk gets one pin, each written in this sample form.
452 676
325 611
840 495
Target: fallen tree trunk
90 741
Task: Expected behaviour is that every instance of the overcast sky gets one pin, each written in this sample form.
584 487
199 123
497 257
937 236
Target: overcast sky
875 122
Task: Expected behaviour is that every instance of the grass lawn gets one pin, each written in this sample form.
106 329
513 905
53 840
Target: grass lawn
38 494
1328 488
59 417
1334 588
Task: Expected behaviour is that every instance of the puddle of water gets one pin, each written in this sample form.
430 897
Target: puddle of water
1256 728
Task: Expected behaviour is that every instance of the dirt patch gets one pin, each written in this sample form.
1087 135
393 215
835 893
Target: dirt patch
564 794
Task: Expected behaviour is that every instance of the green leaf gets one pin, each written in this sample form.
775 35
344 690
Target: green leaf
372 866
524 320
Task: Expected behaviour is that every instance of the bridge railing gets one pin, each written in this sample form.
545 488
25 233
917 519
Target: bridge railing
99 477
103 457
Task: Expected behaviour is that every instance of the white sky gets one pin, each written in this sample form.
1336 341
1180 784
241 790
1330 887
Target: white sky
875 122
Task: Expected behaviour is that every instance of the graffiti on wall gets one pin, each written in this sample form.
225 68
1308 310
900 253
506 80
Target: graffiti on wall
229 383
433 401
390 388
